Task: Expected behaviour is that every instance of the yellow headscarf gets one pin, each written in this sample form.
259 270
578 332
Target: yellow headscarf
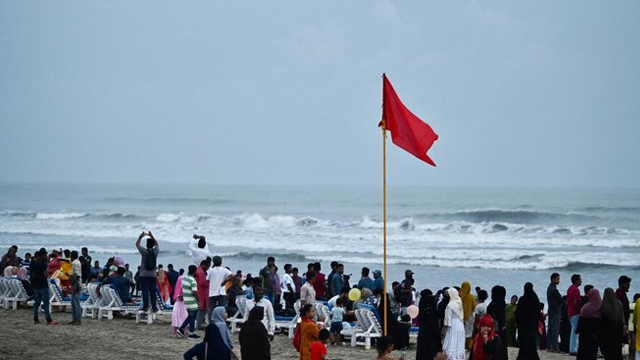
468 300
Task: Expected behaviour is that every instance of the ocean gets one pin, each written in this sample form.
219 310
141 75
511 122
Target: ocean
446 235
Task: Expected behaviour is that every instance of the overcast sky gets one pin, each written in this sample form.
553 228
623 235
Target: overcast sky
522 93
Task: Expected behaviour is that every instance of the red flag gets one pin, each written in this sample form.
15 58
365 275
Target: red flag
407 130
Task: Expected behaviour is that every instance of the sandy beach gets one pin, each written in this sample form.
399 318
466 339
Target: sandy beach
122 338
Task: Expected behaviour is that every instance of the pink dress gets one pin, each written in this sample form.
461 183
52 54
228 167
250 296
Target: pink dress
179 313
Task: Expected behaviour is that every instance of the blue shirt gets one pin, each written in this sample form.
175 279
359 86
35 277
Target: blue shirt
122 286
337 283
366 282
378 283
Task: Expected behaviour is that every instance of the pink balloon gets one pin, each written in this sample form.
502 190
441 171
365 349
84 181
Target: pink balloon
413 311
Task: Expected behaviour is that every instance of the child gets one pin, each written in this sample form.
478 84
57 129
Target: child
384 347
337 314
319 348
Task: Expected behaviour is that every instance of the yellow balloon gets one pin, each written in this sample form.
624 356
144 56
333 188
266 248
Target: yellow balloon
354 294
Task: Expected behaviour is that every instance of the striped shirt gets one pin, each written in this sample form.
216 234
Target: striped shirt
189 288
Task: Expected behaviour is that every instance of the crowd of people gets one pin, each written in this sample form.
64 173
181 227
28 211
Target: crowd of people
452 323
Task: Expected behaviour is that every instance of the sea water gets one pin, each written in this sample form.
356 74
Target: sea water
488 236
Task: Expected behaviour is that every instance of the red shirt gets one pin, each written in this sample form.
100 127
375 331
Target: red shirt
318 285
317 350
203 288
573 301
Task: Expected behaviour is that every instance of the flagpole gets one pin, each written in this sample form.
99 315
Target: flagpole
384 221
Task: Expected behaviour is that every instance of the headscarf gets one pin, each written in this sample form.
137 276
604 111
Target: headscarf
528 306
497 306
455 303
118 261
177 290
478 342
591 309
468 301
22 274
612 307
217 318
254 339
7 271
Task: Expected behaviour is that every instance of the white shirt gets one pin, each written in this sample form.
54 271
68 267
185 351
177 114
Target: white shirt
216 276
481 309
287 279
269 320
76 268
198 254
307 294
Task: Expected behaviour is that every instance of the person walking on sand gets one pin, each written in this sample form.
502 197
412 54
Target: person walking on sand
148 268
554 299
203 292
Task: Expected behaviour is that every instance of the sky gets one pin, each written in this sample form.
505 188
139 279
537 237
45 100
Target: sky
521 93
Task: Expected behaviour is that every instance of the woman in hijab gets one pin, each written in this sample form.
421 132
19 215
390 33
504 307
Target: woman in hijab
394 329
454 337
487 344
468 305
254 339
527 322
429 341
216 344
612 326
497 310
588 329
510 315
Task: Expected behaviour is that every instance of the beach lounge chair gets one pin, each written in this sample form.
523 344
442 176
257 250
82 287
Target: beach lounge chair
323 310
287 323
18 293
355 328
370 328
238 317
91 306
5 291
149 316
57 298
114 303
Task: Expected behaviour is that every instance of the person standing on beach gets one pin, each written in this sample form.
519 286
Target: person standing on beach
589 327
337 281
75 280
203 292
468 305
307 292
297 281
268 319
85 252
199 249
288 287
218 277
331 292
267 276
320 285
378 281
39 283
497 310
612 324
624 284
527 316
554 299
453 327
149 256
172 276
574 303
366 281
